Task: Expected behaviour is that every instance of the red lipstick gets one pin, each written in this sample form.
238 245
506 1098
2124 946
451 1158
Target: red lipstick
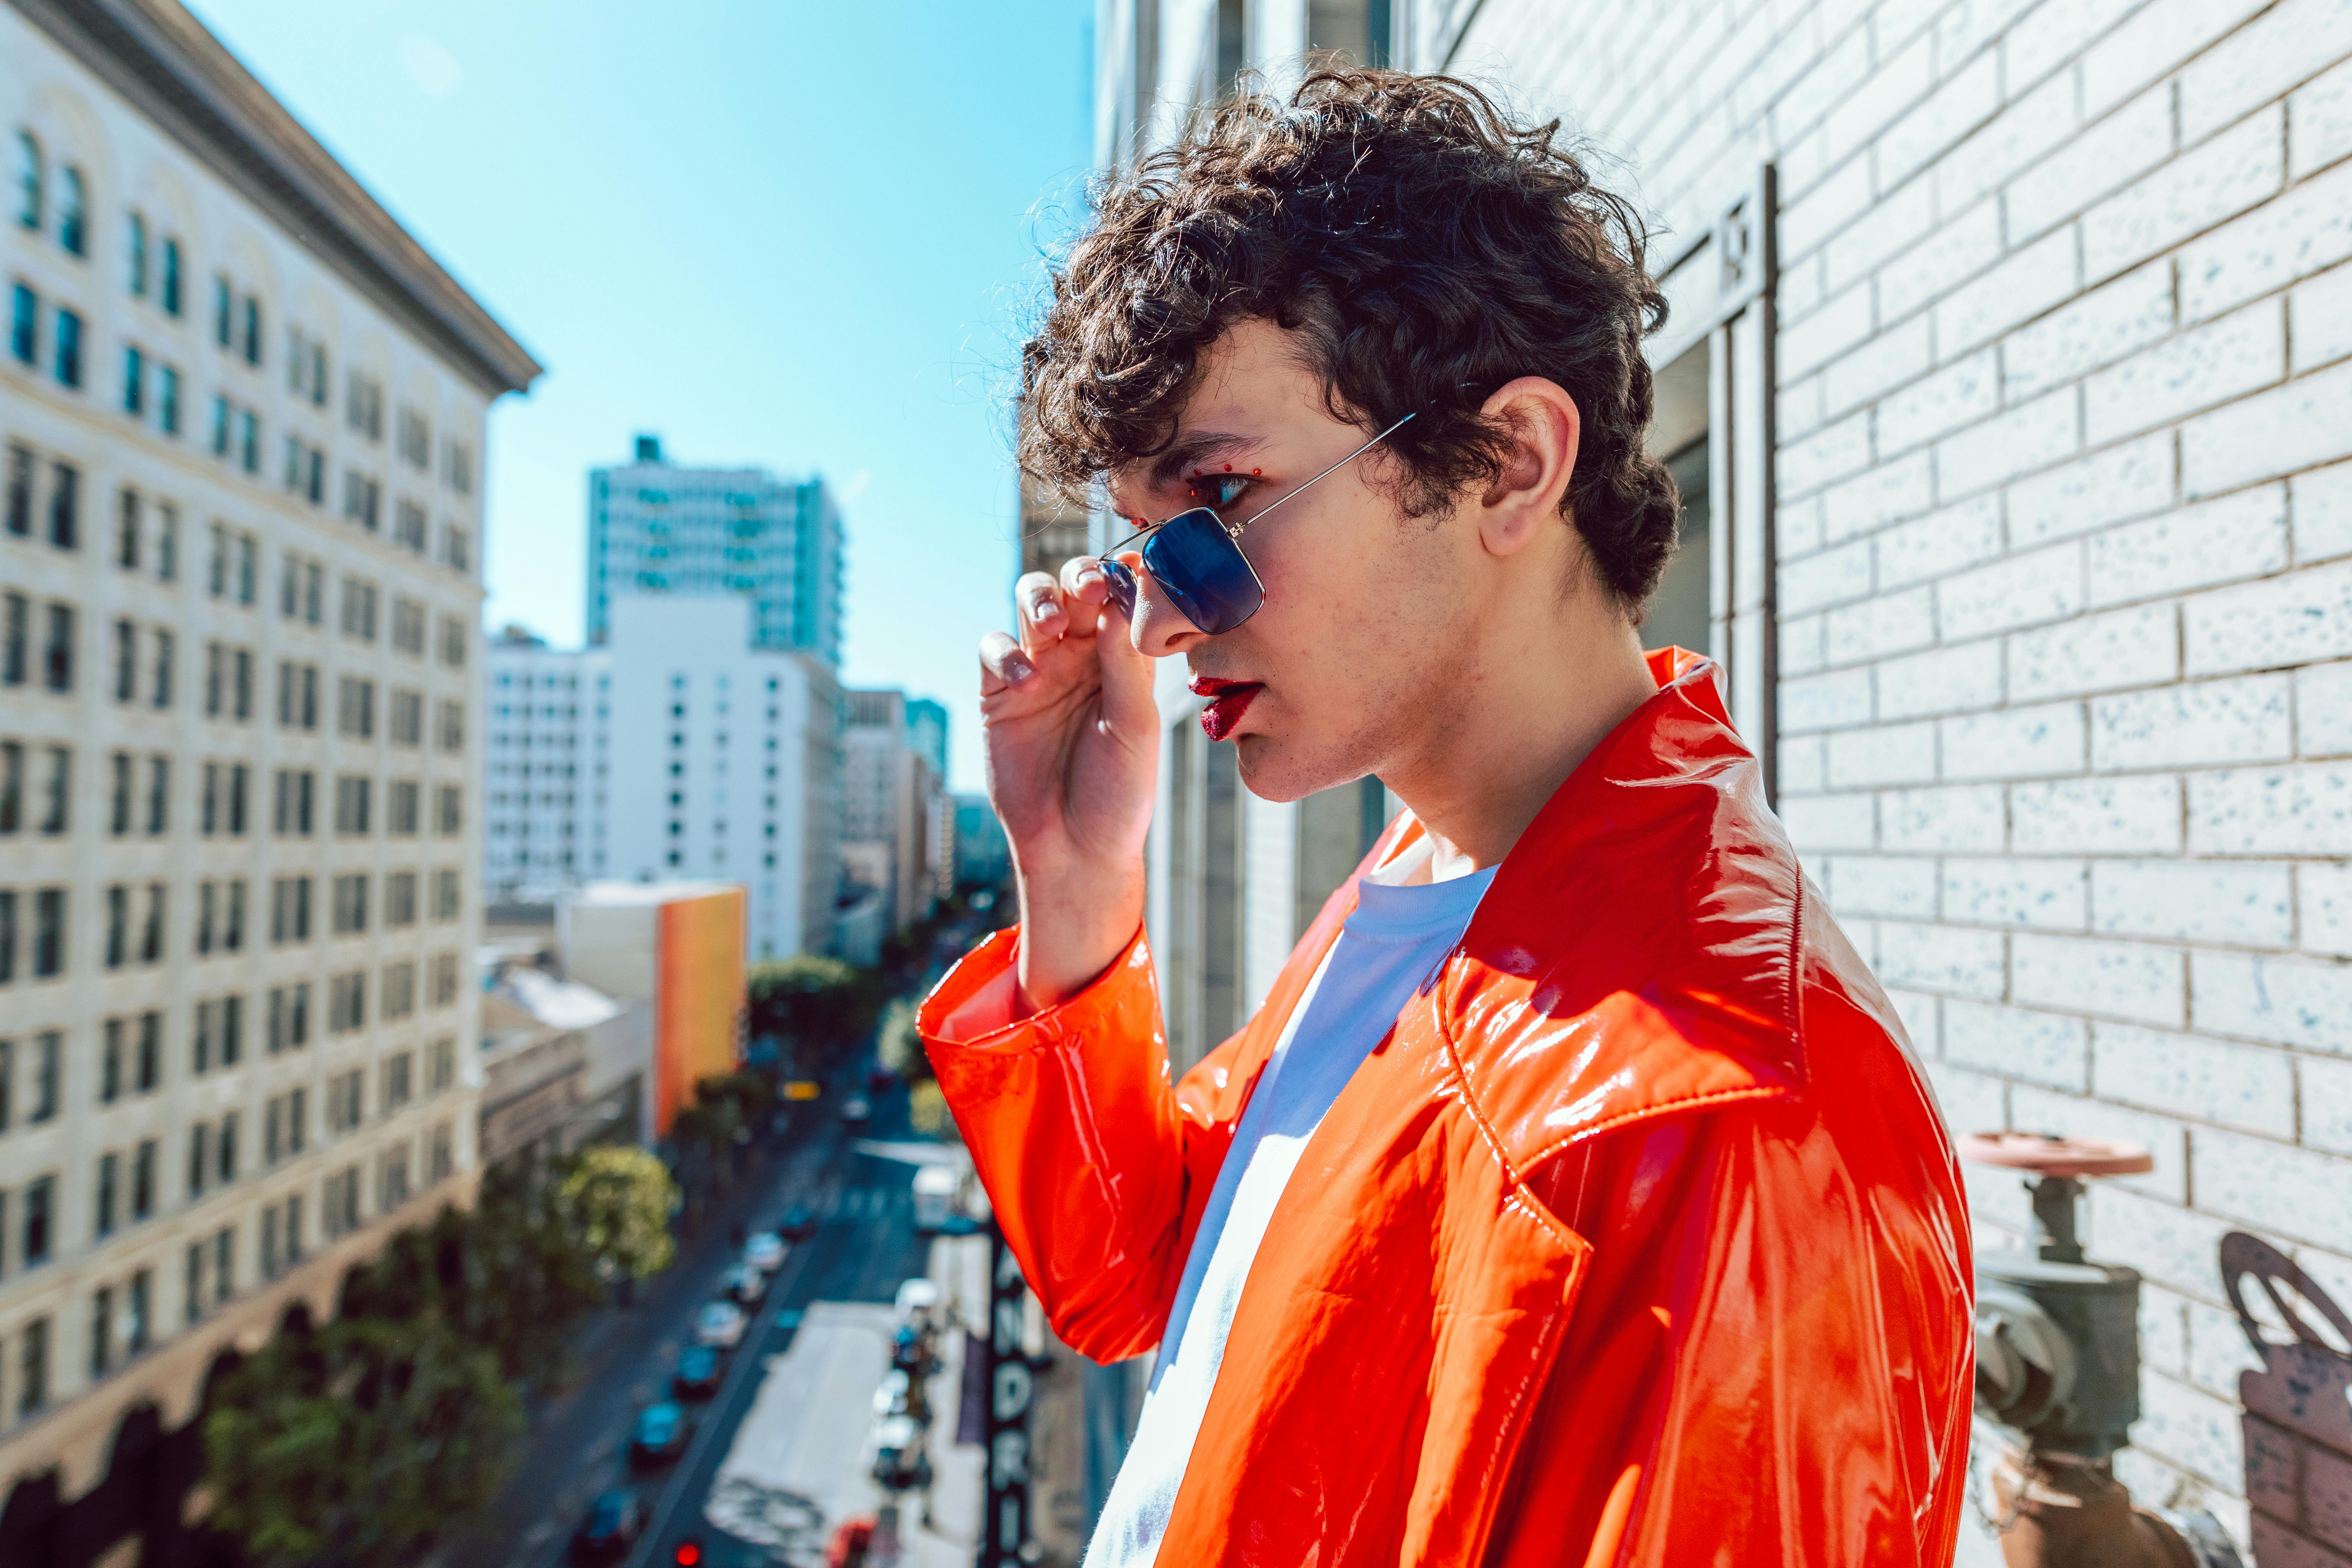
1228 700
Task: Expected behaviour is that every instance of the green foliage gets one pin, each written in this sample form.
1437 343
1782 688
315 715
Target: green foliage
354 1446
821 1008
899 1046
527 1276
620 1199
751 1095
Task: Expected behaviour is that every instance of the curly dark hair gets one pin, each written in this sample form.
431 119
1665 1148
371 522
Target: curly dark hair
1426 248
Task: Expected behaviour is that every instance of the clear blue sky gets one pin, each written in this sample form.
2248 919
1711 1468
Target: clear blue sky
781 233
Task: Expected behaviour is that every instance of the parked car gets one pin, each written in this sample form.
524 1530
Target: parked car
798 1225
659 1434
856 1110
935 1198
880 1079
764 1252
610 1528
720 1324
697 1372
900 1461
744 1285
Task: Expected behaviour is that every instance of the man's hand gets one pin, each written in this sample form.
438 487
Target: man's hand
1072 750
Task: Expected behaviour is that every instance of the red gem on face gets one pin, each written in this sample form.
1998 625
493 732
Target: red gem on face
1257 471
1229 467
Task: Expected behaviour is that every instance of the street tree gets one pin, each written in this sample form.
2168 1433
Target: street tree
620 1200
820 1007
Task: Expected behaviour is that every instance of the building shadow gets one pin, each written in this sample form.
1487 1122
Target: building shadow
2298 1419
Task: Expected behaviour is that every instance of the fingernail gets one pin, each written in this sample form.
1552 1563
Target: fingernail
1046 610
1018 670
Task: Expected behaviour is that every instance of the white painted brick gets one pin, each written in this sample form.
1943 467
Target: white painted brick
2304 809
1963 28
1890 359
2179 1248
2218 1350
1801 289
2044 895
2322 513
1997 1201
2320 315
2101 327
2234 171
2018 136
2193 901
2286 1001
1965 819
1830 453
2163 1345
2015 743
1841 324
1877 496
1798 410
2045 585
1882 231
2324 907
2122 482
2032 436
2301 617
1967 99
2240 535
1800 644
2035 280
1801 769
1826 701
2152 41
2302 424
2321 113
2101 157
1825 209
1916 1011
1896 84
2130 980
2209 1080
2202 1435
2130 816
1891 624
1970 1101
2035 1110
2200 368
2328 1105
2323 710
2135 647
2055 31
2202 723
1946 960
1890 754
1945 681
1964 246
2272 1186
1955 396
2308 229
1834 577
1798 529
2260 63
1828 821
1945 542
2047 1049
1884 885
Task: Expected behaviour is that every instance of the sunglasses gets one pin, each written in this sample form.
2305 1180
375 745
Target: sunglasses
1196 557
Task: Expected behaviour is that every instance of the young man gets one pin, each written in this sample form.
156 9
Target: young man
1572 1197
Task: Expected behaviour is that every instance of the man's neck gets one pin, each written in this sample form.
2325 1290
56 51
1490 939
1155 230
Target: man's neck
1525 715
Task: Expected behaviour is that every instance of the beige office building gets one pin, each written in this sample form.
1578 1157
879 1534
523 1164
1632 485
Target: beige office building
242 428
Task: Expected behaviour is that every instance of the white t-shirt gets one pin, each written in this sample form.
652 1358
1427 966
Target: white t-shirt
1393 943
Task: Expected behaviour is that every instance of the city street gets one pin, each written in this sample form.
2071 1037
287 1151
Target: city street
864 1247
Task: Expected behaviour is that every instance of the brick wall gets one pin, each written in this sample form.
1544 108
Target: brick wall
2066 590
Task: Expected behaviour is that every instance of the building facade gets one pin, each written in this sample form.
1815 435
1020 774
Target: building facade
2009 355
735 773
898 830
243 417
657 527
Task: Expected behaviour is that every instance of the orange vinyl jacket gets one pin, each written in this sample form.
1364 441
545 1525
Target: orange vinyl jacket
1638 1240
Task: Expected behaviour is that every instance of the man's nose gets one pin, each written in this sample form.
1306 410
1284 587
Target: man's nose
1159 627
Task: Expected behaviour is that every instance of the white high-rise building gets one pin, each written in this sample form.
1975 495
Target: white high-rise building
675 750
242 429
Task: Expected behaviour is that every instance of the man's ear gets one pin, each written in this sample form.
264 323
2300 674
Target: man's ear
1517 509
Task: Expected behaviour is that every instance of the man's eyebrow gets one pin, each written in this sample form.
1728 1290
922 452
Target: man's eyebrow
1189 453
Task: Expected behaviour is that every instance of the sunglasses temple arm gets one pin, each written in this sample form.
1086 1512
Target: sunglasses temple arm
1328 472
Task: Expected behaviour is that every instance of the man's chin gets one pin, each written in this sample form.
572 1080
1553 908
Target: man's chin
1273 771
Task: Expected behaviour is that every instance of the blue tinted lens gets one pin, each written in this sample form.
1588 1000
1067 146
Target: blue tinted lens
1202 571
1121 583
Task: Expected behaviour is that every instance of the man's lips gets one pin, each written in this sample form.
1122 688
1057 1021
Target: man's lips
1228 700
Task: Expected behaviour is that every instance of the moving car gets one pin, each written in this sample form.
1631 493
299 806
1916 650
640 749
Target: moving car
743 1285
697 1372
764 1252
856 1110
798 1225
610 1528
719 1324
659 1434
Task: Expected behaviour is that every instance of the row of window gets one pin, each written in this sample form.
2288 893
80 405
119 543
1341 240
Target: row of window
36 795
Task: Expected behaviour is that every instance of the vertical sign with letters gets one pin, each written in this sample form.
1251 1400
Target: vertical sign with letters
1011 1390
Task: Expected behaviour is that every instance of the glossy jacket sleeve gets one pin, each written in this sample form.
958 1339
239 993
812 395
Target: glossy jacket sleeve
1074 1130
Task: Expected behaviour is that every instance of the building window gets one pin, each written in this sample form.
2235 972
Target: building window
362 497
290 1021
135 248
294 788
28 180
73 211
68 341
415 439
364 404
289 909
134 381
49 935
167 400
25 324
408 526
64 506
252 335
171 279
351 792
346 1003
350 904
